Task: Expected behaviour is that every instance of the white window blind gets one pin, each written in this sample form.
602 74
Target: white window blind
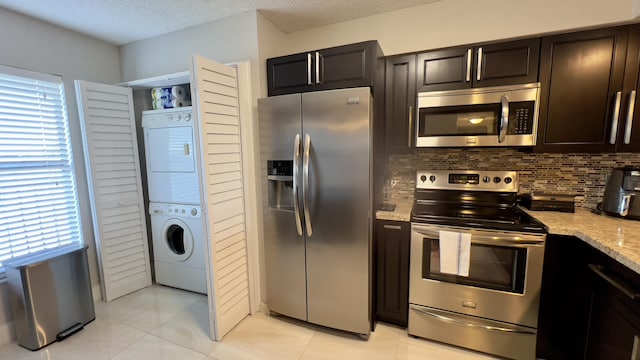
38 197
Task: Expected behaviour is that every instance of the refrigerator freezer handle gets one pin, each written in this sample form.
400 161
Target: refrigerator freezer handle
296 208
305 184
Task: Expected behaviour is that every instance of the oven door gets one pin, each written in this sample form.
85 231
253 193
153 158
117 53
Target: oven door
503 282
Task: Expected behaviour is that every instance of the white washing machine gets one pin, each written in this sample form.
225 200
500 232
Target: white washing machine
171 155
177 233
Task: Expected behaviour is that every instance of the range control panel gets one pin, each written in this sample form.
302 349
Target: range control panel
484 180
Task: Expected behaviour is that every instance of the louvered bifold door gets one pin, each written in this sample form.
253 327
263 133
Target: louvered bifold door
216 86
115 186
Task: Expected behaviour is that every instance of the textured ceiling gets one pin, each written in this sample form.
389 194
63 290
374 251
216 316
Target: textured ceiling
123 21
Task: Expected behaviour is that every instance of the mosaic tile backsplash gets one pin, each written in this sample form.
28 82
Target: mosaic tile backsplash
582 175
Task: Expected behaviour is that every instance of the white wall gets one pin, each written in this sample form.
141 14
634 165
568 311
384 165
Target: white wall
454 22
34 45
228 40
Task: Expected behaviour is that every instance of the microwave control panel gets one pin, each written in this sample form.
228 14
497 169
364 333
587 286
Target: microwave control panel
521 118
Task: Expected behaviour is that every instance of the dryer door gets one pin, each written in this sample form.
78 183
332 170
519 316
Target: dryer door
170 149
172 175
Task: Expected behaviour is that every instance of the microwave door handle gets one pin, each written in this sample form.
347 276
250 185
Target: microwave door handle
504 119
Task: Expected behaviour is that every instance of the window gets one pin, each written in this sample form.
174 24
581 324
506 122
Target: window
38 196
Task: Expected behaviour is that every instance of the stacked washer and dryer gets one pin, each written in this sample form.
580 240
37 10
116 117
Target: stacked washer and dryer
177 224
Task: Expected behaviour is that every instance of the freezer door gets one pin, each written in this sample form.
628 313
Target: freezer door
337 203
284 247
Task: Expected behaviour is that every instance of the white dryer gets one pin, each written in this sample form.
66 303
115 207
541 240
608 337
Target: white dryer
177 233
171 155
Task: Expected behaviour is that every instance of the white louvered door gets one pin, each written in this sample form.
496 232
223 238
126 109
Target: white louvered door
216 104
113 172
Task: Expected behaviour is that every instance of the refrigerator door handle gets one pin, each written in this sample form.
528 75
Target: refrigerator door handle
296 208
305 184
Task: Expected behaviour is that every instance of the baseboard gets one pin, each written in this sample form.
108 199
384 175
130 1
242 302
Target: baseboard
264 308
7 333
96 292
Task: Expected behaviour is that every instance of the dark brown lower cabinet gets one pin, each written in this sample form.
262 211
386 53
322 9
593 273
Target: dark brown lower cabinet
589 305
392 243
565 299
614 326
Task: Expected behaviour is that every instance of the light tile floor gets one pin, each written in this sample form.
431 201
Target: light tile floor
159 323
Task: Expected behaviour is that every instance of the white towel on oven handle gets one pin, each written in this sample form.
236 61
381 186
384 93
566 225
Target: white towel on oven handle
455 248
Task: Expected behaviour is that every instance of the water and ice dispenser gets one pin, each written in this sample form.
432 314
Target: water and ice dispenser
280 184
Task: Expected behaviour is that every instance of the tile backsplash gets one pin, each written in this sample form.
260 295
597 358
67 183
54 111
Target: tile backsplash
582 175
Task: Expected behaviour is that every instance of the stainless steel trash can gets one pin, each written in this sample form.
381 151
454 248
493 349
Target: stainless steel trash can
50 295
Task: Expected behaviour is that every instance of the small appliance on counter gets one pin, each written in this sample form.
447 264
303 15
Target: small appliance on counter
621 190
548 202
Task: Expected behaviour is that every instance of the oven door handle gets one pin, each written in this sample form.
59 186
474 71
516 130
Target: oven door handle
470 324
516 241
507 242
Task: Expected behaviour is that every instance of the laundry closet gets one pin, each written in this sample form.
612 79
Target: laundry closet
165 174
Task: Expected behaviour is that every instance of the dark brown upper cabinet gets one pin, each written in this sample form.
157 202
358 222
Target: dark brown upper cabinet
400 102
504 63
345 66
582 83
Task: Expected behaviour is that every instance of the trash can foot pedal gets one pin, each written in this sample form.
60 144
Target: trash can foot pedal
70 331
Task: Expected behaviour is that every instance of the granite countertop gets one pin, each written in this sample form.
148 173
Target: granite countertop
618 238
402 211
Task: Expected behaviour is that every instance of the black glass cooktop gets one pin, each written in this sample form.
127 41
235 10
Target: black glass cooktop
473 209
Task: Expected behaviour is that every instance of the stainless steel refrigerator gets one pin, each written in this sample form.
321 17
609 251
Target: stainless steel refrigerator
316 166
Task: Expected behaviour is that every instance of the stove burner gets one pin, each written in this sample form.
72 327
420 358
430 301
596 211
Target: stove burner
479 210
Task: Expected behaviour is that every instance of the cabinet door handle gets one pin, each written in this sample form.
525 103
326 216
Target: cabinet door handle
600 271
479 68
410 125
614 121
629 123
469 54
309 64
635 353
393 227
317 67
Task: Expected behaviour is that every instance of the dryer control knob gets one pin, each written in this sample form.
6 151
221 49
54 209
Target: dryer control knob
194 212
182 211
187 117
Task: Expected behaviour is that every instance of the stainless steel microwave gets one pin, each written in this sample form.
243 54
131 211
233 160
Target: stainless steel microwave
490 116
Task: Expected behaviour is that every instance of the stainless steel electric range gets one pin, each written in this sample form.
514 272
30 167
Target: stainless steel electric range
476 263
